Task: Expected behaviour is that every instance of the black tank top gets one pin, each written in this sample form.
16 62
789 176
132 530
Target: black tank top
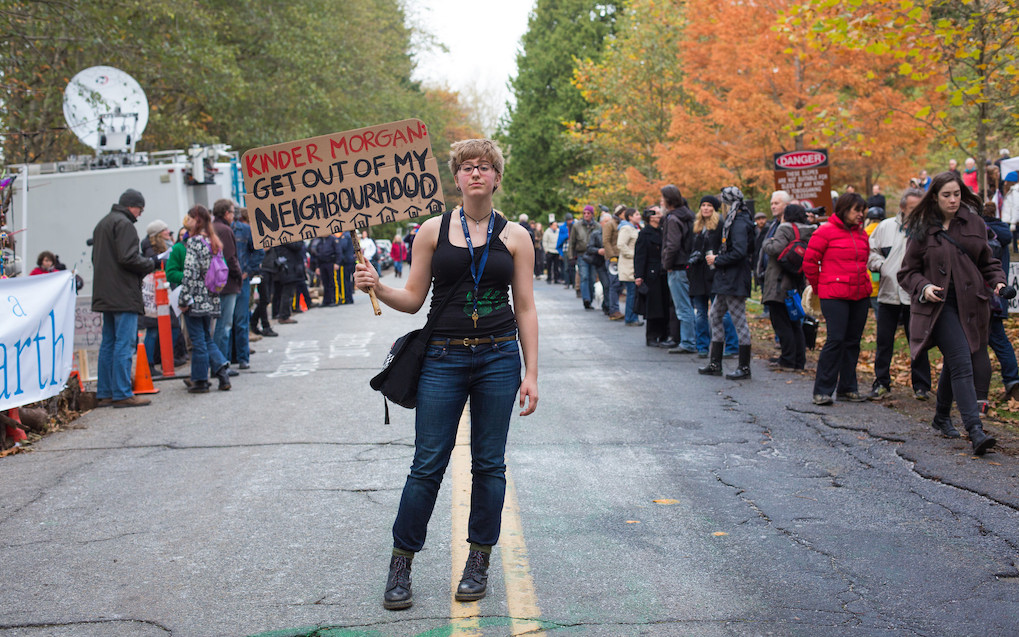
449 263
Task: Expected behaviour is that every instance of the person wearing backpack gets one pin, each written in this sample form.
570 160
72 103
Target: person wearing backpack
200 304
780 279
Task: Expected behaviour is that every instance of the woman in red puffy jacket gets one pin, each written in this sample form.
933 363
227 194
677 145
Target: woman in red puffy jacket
836 267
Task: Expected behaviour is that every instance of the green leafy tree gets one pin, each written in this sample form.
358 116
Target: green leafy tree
541 155
630 92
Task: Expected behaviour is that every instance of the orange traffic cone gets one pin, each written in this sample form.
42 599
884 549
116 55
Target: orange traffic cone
16 434
142 374
303 305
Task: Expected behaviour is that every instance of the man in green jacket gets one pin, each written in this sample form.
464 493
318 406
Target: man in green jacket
118 268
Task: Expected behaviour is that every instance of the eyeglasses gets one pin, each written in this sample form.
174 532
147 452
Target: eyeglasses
467 169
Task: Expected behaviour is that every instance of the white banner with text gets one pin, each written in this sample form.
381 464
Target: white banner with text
36 337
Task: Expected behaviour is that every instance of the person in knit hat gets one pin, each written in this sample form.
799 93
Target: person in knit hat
118 266
707 227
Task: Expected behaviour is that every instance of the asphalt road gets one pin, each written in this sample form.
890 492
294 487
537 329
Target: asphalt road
644 500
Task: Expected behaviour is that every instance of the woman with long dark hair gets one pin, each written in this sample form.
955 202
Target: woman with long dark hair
200 306
835 265
467 255
949 272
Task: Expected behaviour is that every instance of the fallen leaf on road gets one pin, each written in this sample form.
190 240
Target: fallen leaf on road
719 533
633 521
666 501
996 464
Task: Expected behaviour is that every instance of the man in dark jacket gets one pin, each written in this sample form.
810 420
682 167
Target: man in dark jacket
580 234
677 242
327 259
223 216
250 261
118 267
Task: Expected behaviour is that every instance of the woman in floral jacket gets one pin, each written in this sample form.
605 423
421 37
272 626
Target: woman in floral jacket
200 306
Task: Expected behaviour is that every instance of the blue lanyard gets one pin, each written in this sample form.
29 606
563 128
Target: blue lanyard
476 272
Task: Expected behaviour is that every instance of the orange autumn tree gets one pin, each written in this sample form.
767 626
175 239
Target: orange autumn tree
754 89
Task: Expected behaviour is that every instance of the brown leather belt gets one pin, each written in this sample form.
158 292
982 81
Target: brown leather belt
473 342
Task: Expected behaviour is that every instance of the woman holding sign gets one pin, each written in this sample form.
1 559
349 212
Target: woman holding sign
474 352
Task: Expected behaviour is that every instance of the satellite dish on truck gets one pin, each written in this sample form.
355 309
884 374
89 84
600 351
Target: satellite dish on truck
106 108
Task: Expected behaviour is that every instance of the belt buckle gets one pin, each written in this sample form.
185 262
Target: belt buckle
467 342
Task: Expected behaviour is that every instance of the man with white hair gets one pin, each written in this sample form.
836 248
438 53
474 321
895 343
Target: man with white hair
779 200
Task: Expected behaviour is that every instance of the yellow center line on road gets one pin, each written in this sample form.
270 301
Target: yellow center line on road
521 598
464 614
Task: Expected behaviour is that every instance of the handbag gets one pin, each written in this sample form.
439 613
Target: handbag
398 379
794 305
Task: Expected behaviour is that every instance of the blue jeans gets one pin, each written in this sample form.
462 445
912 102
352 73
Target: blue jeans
120 341
702 327
631 301
679 288
612 293
587 275
227 302
204 353
490 376
241 321
1004 351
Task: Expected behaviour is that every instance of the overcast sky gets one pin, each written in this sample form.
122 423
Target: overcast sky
483 39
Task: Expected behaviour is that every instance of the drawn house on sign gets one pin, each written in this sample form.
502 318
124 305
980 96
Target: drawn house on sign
308 231
286 237
386 215
361 220
413 212
435 207
335 226
267 243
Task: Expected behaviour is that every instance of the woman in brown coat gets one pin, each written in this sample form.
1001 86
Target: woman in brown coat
949 273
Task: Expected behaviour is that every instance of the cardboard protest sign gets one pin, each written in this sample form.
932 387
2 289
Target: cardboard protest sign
805 175
344 181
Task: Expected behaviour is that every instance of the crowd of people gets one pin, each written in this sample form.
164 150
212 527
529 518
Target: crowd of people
217 319
937 267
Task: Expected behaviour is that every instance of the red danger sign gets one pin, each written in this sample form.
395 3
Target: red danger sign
800 159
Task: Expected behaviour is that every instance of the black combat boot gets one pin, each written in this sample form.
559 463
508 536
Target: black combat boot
474 582
714 366
743 371
944 424
982 443
398 595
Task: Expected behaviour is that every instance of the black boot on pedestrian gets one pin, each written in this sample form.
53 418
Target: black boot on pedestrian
223 374
944 425
398 595
743 371
982 443
474 582
714 366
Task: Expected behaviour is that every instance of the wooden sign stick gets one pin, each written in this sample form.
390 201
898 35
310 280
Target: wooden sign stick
360 259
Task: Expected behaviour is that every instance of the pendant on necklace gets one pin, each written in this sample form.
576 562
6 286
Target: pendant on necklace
475 317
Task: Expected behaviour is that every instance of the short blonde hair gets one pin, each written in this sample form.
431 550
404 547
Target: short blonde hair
465 149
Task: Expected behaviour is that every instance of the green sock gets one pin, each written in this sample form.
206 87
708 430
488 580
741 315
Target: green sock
403 553
479 547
